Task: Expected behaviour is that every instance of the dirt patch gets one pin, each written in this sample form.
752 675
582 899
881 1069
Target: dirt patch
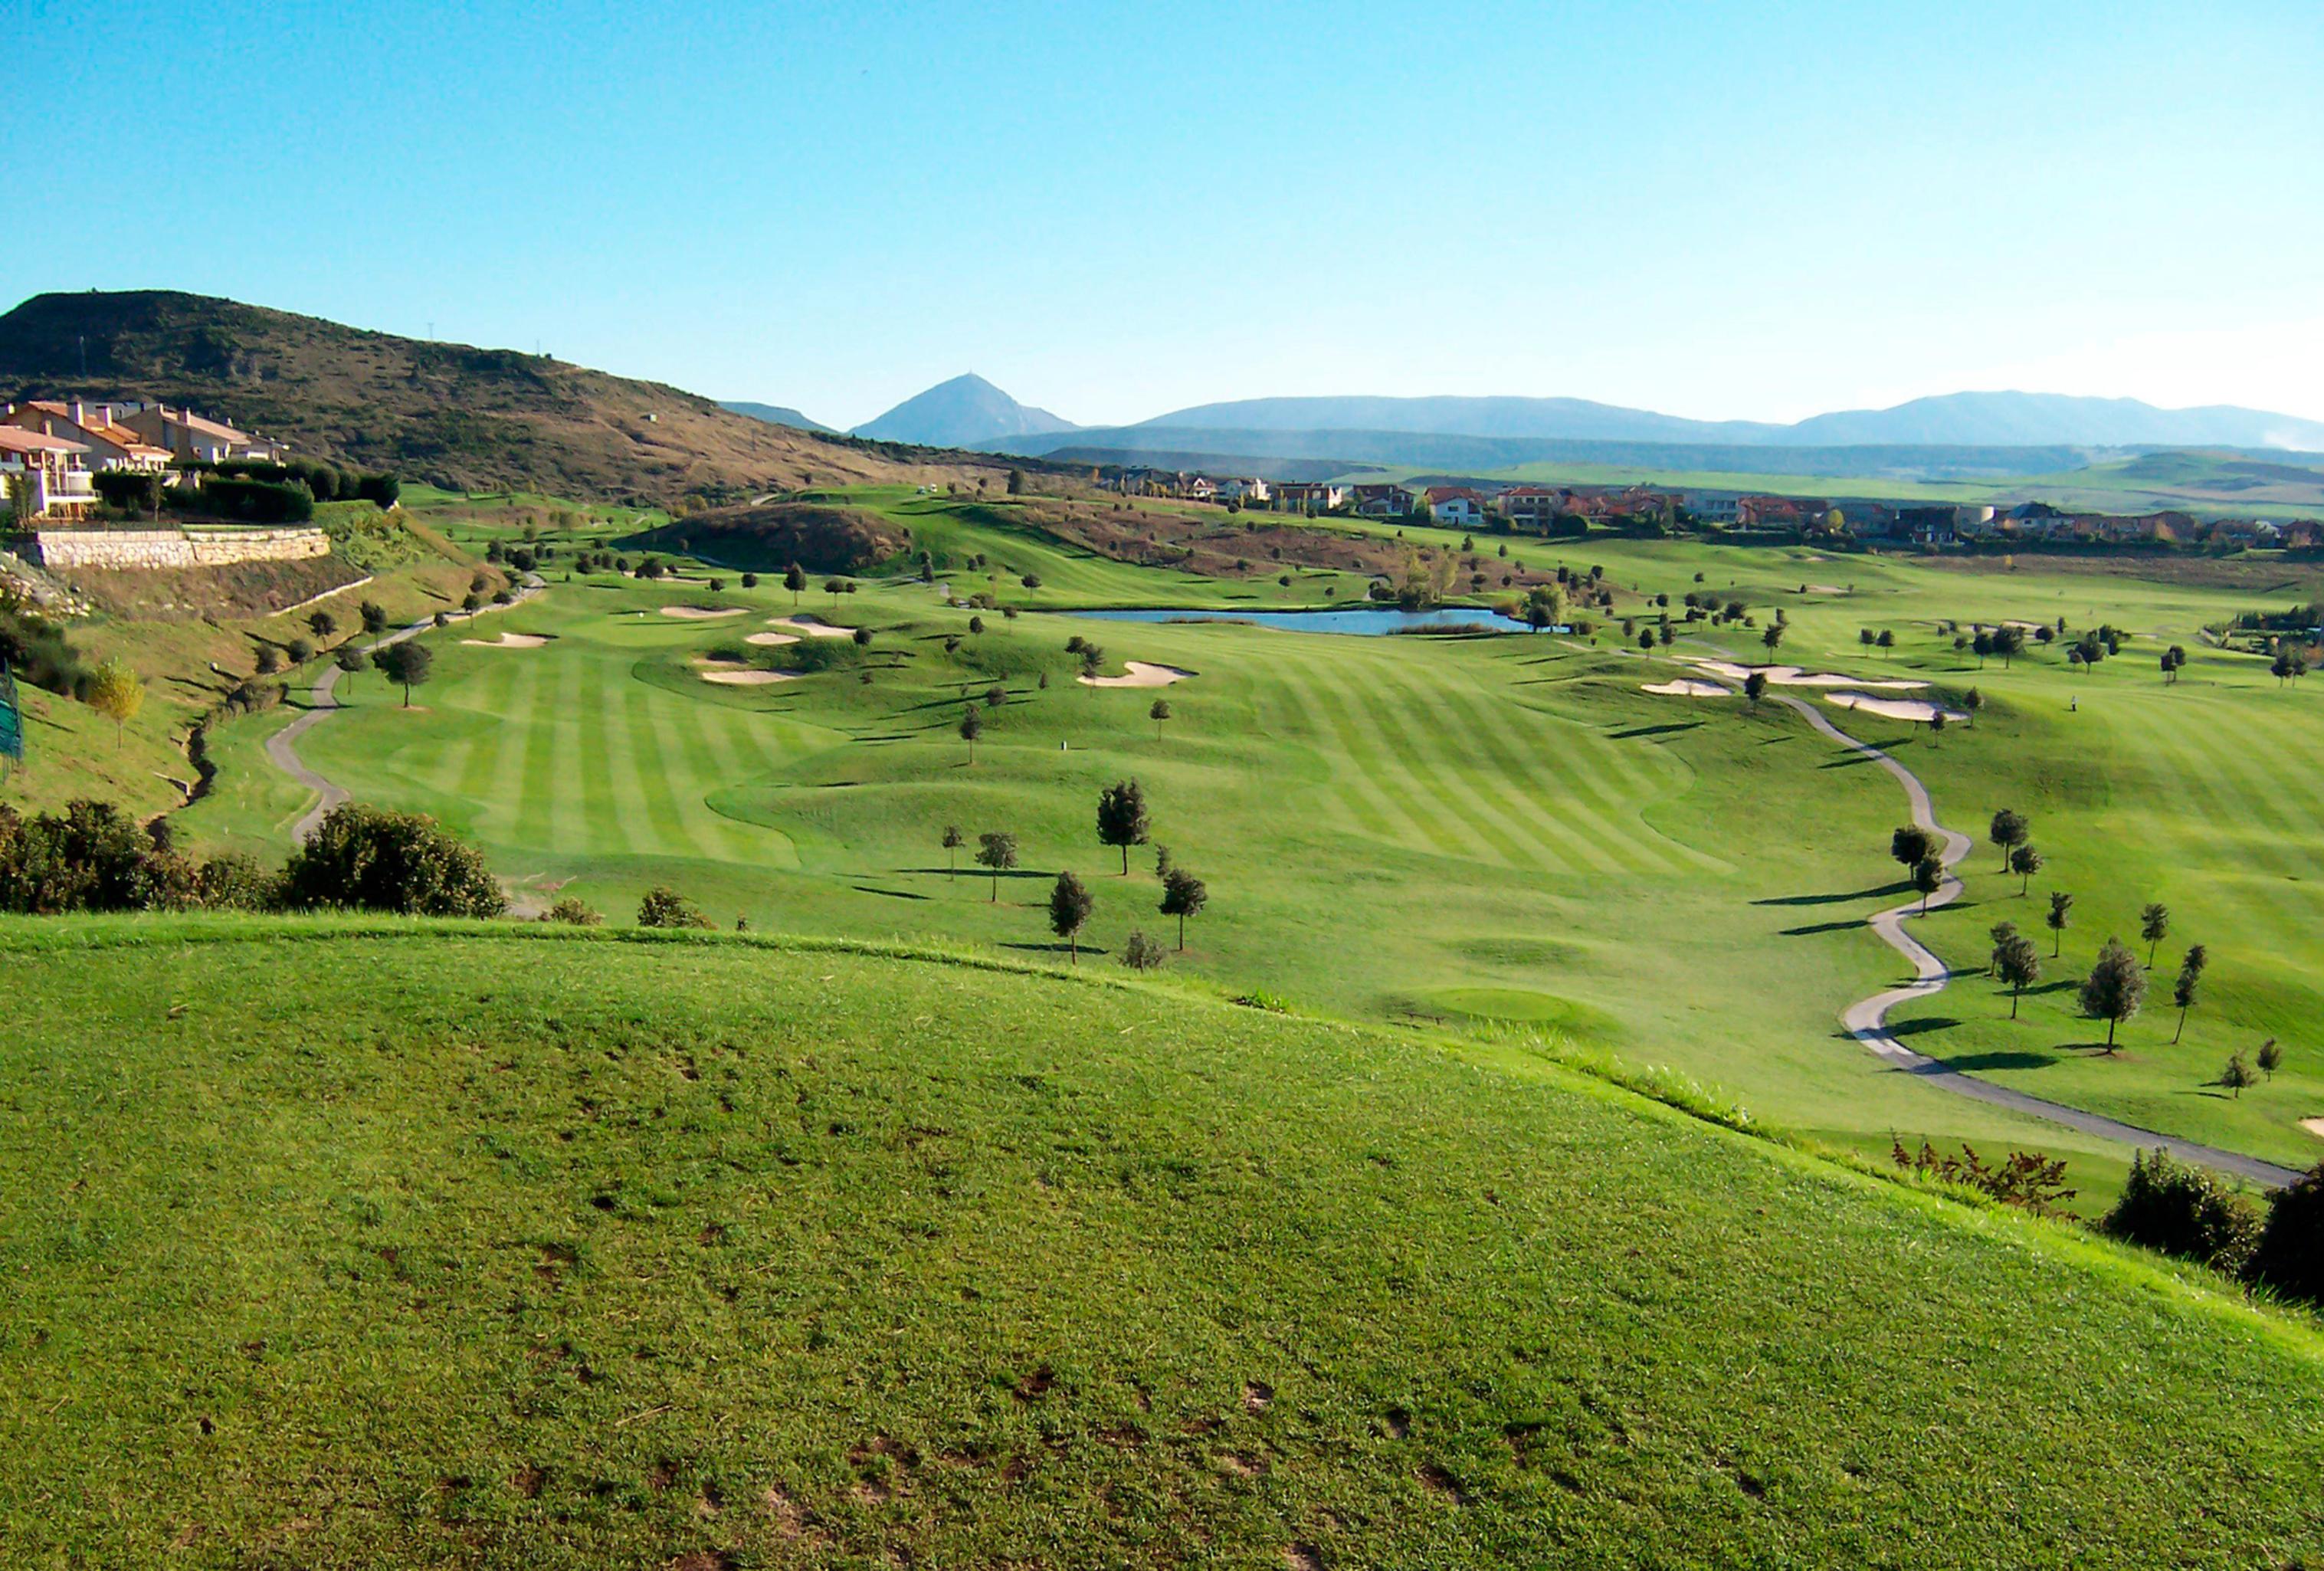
1036 1385
508 641
700 612
528 1480
1242 1464
1400 1423
1437 1481
1142 674
1683 688
1256 1395
1301 1556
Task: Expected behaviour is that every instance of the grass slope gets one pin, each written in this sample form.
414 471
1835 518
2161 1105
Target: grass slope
515 1249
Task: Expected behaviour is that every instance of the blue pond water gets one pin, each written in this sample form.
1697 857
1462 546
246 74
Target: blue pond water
1364 621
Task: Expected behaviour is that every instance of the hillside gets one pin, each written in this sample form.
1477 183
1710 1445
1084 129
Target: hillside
490 1250
770 537
451 414
777 414
1954 419
967 411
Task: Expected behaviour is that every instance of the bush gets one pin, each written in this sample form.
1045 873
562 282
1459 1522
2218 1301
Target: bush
135 491
365 858
94 858
382 489
1140 953
2182 1209
2289 1257
236 883
37 651
665 908
258 501
573 912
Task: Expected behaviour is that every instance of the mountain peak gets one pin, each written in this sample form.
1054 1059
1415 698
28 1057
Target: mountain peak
965 411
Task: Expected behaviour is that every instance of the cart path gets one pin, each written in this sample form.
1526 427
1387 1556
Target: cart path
324 701
1865 1019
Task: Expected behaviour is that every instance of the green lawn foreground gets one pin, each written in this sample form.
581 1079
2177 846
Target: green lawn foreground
463 1247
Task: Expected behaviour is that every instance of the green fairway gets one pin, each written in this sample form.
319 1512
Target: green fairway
451 1247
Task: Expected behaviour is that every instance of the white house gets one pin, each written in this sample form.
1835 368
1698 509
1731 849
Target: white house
45 475
109 446
1454 505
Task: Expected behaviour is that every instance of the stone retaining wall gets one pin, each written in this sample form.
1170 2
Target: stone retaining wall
175 547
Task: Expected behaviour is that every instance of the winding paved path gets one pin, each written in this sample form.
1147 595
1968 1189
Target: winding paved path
324 701
1867 1018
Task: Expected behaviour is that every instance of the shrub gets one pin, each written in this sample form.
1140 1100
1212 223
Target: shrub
367 858
236 883
38 651
258 501
665 908
1140 953
2290 1256
382 489
574 913
2182 1209
129 490
302 650
93 858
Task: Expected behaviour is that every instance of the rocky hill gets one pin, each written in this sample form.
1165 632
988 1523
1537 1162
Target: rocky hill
449 414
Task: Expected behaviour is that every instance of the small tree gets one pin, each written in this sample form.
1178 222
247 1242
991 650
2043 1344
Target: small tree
2114 988
2237 1075
1972 701
1158 712
353 661
117 693
862 636
1182 895
375 617
2061 912
1911 844
2271 1057
2008 831
972 726
998 852
408 663
795 580
2290 1256
1755 687
1122 817
2020 965
995 695
1140 953
1928 877
1771 637
2190 978
2153 926
322 624
1069 911
953 841
2025 861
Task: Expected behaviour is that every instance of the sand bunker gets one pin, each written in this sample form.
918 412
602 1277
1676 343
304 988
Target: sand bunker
1893 708
1793 677
2313 1125
1683 688
1142 674
1826 589
700 612
508 641
813 627
728 676
772 638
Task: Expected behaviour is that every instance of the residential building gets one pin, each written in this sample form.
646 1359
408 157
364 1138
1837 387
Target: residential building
1309 497
1454 505
1248 490
189 435
45 475
109 446
1383 500
1526 506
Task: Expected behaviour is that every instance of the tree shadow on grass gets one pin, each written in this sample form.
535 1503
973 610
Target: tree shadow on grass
1811 931
1972 1063
1901 1028
1848 760
1634 731
891 893
1060 947
1838 898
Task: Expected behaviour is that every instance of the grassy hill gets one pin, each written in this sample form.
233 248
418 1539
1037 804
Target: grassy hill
451 414
335 1246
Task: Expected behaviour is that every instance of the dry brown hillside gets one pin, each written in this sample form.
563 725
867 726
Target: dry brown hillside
464 418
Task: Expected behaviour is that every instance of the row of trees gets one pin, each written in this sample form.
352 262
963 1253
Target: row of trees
1122 821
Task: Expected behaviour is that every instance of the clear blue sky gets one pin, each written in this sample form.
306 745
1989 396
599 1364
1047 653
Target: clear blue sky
1735 210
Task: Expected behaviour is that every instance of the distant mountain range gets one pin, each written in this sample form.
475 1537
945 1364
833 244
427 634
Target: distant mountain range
776 414
969 412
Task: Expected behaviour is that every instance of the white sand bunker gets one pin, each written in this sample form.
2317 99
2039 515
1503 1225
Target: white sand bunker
2313 1125
1142 674
1826 589
746 679
700 612
1918 710
1685 689
1793 677
764 638
508 641
813 626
